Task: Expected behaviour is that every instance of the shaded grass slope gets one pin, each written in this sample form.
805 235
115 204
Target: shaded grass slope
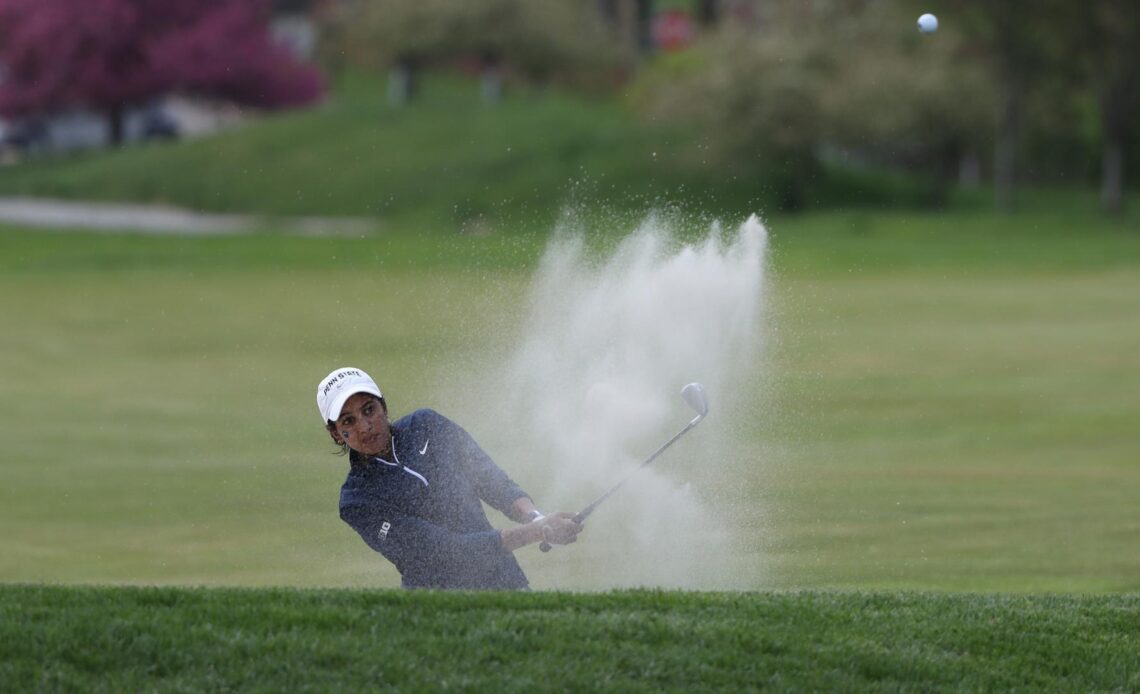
445 161
165 639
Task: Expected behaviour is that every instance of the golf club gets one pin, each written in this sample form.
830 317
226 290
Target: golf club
694 396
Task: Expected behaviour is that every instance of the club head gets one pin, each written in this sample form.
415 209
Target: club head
694 396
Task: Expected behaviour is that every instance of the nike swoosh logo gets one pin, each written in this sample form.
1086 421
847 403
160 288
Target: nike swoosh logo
424 449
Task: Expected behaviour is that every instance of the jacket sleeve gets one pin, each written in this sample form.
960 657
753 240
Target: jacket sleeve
491 484
420 550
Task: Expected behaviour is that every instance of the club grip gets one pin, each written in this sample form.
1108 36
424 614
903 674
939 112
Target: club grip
545 546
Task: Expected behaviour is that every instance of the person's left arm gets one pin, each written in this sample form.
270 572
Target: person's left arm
523 510
491 483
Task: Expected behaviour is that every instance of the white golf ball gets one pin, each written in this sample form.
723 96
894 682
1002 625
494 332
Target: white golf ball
928 23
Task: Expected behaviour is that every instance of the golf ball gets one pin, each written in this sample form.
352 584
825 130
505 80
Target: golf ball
928 23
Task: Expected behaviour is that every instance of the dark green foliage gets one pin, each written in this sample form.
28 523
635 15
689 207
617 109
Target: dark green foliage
535 40
852 78
174 639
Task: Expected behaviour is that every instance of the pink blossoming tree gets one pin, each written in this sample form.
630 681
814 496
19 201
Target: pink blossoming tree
112 55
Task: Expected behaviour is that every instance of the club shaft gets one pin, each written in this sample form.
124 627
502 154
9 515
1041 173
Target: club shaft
694 397
584 513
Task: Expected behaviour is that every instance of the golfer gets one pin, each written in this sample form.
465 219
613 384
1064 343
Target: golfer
414 488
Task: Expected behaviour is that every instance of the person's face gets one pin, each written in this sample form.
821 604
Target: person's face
363 425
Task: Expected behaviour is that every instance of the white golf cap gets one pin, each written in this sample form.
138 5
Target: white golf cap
338 387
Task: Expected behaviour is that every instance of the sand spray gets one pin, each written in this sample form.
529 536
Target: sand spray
591 387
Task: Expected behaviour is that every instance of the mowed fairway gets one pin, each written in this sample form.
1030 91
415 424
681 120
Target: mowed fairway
933 410
964 434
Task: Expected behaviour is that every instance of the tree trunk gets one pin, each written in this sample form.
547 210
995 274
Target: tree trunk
115 126
1112 178
800 169
402 81
491 79
708 12
1118 111
1005 150
632 19
947 158
969 170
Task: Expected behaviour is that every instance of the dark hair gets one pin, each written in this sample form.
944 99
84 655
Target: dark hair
341 449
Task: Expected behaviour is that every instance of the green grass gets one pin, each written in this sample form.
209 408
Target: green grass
115 639
447 158
947 402
841 243
445 162
963 433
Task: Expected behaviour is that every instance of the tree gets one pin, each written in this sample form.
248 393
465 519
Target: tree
809 78
113 55
536 39
758 96
1111 43
906 99
1026 41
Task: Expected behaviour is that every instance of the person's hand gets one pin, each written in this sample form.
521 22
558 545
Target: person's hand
559 528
